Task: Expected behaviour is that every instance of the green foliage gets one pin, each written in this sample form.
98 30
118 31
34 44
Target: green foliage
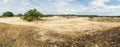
32 14
19 15
92 16
30 18
8 14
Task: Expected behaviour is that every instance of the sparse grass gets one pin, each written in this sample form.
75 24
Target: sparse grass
107 38
16 36
105 19
26 36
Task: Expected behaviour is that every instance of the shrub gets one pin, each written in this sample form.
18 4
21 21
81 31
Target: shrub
29 18
32 14
90 16
8 14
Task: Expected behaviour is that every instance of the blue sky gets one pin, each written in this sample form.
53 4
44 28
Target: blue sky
96 7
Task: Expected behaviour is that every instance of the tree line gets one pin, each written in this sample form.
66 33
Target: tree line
34 14
30 15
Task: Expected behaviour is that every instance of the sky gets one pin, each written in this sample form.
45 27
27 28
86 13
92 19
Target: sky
79 7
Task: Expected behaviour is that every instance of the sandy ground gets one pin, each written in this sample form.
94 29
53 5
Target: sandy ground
61 24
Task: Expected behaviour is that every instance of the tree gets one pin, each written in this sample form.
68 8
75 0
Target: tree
19 14
8 14
32 14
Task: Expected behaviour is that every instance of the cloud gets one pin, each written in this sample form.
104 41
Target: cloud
5 1
101 6
59 6
66 6
99 2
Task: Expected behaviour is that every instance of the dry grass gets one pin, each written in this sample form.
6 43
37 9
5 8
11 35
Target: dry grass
17 36
60 32
26 36
105 19
63 24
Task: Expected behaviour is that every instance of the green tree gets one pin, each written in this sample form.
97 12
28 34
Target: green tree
19 14
32 14
8 14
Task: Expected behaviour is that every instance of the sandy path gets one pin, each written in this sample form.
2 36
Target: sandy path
63 24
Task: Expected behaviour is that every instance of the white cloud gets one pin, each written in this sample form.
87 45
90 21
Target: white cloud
5 1
26 3
99 2
59 6
100 6
65 7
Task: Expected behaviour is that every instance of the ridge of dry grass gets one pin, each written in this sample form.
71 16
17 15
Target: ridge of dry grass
105 19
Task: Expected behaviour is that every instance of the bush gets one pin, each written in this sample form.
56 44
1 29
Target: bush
90 16
8 14
30 18
32 14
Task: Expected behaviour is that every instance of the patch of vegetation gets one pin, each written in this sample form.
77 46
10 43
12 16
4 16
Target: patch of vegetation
19 15
8 14
92 16
69 15
105 19
32 14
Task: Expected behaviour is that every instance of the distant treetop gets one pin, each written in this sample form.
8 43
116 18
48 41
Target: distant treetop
8 14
